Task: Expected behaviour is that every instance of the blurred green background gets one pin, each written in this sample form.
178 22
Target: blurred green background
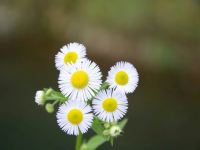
161 38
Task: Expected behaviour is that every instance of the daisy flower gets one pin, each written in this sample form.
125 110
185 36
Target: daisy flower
74 116
39 97
70 54
80 81
123 77
110 105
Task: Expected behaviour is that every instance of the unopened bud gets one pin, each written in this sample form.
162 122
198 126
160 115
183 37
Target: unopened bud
84 147
106 132
115 131
49 108
106 125
48 92
39 97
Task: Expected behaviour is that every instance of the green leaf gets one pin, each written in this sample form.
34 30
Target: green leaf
123 123
59 96
93 143
97 126
51 94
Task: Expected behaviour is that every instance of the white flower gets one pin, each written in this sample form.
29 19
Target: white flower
123 77
80 81
74 116
39 97
110 105
70 54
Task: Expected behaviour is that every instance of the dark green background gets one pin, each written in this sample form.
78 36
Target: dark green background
161 38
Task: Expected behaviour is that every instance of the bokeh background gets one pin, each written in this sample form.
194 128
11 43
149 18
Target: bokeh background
161 38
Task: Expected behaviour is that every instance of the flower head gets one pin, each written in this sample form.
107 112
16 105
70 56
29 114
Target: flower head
81 81
70 54
74 116
39 97
123 77
110 105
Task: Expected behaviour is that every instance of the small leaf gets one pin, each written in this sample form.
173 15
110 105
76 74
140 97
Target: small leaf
123 123
97 126
51 94
93 143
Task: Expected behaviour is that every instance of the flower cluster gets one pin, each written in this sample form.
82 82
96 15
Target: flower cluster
84 97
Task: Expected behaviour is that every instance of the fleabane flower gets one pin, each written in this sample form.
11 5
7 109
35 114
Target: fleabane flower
123 77
39 97
110 105
70 54
74 116
80 81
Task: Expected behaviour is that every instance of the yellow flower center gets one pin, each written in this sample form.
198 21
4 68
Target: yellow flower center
75 116
70 57
80 79
121 78
110 104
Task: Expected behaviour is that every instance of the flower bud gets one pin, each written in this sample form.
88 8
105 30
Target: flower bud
39 97
49 108
84 147
106 125
115 131
106 132
48 92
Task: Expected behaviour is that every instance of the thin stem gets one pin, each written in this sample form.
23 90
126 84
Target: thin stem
55 102
79 141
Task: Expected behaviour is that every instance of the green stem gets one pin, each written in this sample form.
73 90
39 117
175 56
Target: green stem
79 141
104 86
55 102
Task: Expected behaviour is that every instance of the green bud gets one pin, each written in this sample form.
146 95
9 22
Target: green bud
84 147
115 131
49 108
107 125
106 132
48 92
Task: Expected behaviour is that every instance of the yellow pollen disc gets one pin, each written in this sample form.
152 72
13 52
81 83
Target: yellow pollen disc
70 57
79 79
75 116
110 104
121 78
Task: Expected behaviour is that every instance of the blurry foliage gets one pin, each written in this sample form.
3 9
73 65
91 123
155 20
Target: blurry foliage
170 27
